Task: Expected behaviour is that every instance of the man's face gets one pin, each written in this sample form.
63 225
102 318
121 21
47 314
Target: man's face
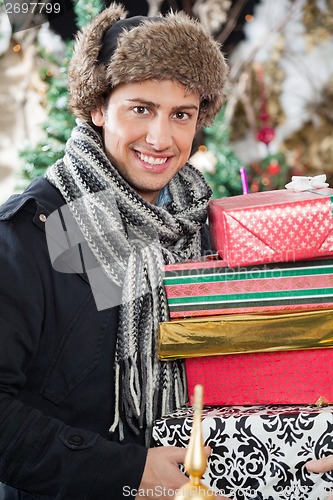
148 130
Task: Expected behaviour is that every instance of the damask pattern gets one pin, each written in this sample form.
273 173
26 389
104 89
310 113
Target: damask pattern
259 452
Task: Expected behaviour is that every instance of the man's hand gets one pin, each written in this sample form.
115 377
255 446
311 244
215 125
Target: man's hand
321 465
162 475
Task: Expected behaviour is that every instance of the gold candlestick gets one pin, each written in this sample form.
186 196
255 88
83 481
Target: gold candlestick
195 460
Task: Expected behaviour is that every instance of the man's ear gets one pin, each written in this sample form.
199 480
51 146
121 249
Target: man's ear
98 116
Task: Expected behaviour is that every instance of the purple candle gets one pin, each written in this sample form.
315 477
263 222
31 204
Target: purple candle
245 184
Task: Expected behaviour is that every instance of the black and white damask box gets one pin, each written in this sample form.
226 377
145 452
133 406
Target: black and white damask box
259 452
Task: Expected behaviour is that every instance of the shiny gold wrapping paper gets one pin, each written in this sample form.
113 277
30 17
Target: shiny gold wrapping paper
240 333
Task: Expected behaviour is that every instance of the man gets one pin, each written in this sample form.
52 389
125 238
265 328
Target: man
81 258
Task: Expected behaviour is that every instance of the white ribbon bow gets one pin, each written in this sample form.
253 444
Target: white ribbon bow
299 183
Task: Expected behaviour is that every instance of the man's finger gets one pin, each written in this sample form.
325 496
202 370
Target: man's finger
321 465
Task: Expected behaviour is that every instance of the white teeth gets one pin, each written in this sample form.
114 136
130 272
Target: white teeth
151 159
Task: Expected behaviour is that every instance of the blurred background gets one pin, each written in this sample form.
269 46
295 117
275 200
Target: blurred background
278 119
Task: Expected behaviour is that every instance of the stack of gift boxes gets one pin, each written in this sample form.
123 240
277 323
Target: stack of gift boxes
254 324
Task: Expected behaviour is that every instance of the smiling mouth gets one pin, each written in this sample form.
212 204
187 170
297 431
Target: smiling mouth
151 160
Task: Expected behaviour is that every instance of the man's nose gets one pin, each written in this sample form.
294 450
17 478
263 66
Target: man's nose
159 133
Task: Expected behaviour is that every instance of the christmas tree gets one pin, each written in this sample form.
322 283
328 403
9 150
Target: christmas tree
60 121
217 161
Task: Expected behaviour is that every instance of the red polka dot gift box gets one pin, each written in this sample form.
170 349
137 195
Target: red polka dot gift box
272 226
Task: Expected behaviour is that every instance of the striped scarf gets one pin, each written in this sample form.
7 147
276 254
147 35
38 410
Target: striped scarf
132 240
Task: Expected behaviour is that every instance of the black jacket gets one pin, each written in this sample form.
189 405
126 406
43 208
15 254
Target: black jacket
56 370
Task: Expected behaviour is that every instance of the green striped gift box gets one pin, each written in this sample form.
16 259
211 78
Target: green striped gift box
209 287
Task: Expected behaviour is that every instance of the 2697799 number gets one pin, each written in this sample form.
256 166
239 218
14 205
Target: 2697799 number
32 8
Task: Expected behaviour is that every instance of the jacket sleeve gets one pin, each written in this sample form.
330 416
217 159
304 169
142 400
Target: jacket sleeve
40 454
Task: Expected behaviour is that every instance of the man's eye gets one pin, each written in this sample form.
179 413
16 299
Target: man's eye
141 110
181 115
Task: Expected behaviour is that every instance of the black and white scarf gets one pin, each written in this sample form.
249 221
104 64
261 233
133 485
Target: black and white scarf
132 240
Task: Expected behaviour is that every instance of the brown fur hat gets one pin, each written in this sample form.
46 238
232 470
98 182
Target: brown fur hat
174 47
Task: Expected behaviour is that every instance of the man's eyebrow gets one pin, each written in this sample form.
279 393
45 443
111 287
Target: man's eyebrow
155 105
143 101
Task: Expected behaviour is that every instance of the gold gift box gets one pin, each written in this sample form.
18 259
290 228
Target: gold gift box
240 333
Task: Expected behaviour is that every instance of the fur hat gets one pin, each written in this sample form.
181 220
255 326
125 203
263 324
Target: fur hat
172 47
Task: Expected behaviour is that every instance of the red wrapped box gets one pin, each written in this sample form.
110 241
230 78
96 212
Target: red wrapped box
278 378
208 287
272 226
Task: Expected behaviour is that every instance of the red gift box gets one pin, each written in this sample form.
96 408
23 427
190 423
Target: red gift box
277 378
272 226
